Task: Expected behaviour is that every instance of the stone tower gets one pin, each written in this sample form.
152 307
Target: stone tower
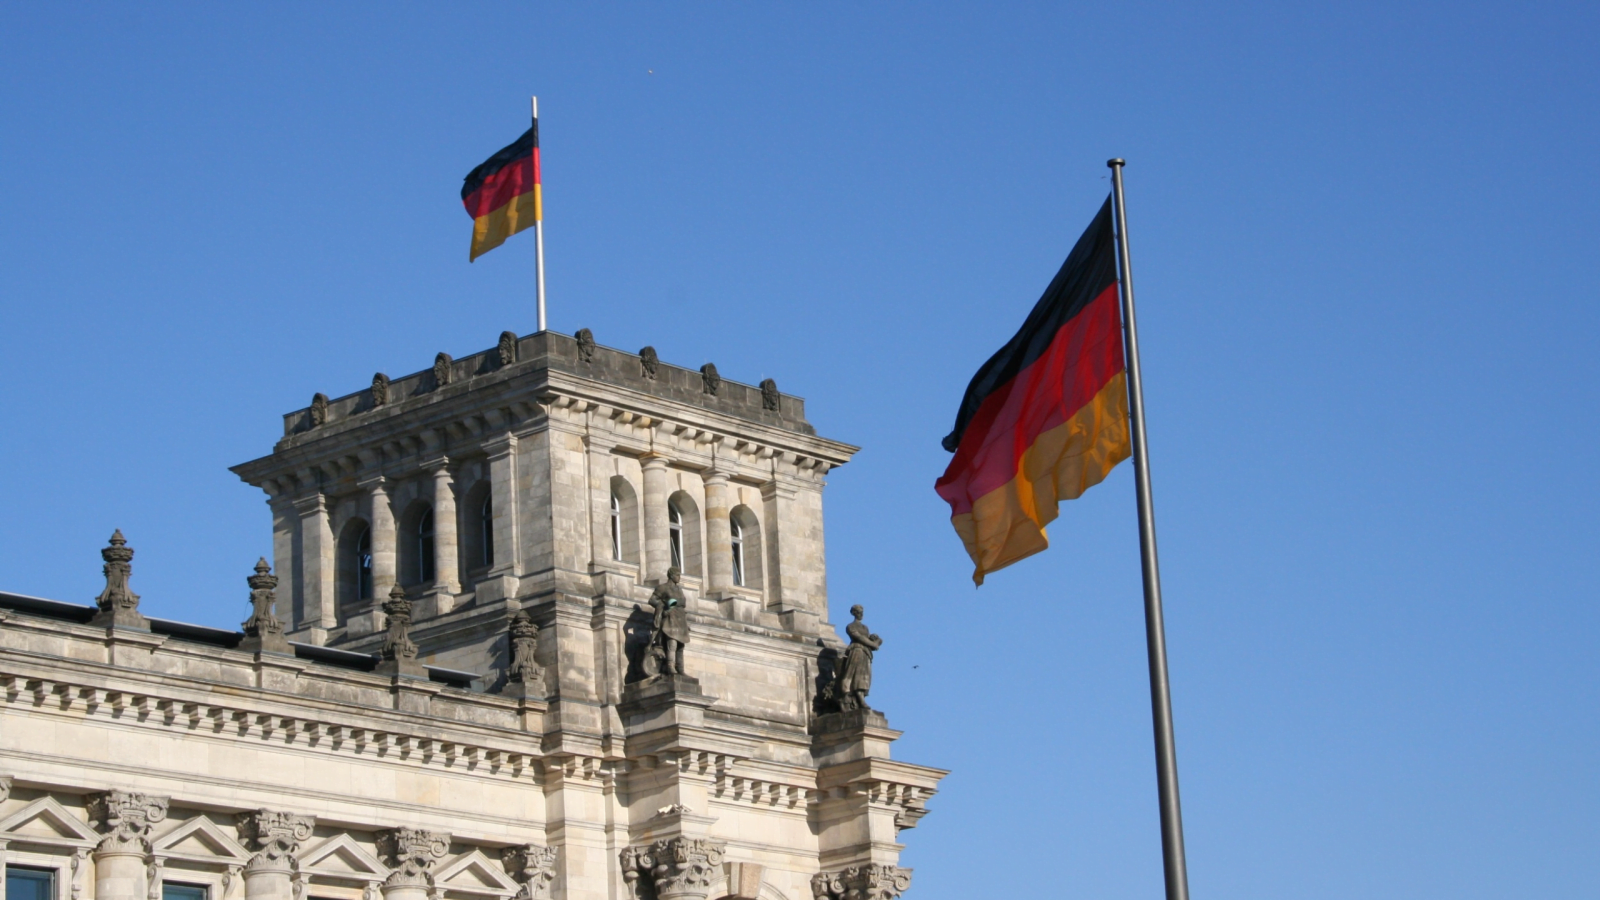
507 520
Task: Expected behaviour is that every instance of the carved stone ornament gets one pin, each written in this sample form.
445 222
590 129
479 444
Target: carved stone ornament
319 410
874 881
125 819
441 370
585 339
507 348
380 389
769 394
119 606
412 853
710 381
276 837
533 866
263 631
399 653
524 643
649 362
677 869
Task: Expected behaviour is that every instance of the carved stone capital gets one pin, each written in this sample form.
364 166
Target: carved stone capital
533 866
276 837
412 852
125 819
680 868
873 881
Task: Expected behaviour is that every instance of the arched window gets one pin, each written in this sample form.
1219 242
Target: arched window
616 526
675 534
353 568
746 533
738 551
425 547
364 565
486 530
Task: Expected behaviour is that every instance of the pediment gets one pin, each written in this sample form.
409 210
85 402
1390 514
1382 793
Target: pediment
474 873
201 839
47 820
341 856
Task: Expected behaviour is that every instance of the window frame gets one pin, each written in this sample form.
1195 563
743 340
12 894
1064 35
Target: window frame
736 533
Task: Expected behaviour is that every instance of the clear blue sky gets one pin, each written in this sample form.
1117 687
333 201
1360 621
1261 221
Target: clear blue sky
1365 242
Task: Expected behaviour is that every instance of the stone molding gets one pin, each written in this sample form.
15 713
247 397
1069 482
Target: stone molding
125 818
679 868
873 881
276 837
412 852
533 866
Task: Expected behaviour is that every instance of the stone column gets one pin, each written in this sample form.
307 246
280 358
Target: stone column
316 567
657 552
679 868
380 518
413 854
446 571
276 837
122 856
719 539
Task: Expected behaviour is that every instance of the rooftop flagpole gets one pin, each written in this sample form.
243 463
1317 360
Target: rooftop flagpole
538 237
1172 856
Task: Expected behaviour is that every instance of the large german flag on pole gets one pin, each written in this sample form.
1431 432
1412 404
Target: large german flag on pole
502 195
1046 418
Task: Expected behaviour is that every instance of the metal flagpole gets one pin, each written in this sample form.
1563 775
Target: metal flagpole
538 237
1172 858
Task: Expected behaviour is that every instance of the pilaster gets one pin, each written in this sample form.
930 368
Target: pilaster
501 582
316 564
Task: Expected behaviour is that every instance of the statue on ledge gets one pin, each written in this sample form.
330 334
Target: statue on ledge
670 630
855 673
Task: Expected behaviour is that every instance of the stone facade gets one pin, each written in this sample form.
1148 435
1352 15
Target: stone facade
440 691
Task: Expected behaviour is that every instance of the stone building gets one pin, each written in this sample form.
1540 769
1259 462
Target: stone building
450 686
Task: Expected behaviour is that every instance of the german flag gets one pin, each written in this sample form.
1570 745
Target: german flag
1046 418
502 195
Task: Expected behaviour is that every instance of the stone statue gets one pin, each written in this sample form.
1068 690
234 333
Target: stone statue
524 643
441 370
670 630
507 348
769 394
585 339
380 389
648 362
855 673
710 381
319 409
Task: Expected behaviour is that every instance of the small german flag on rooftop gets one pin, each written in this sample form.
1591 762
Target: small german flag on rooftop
1046 418
502 195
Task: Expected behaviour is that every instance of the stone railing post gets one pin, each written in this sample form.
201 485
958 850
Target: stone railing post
679 868
533 866
412 853
657 554
873 881
122 860
276 837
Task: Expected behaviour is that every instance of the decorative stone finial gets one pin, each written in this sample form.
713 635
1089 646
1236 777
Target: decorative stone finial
648 362
125 819
380 389
263 633
710 381
873 881
399 653
412 852
507 348
585 339
319 409
680 868
769 394
119 606
533 866
441 370
524 676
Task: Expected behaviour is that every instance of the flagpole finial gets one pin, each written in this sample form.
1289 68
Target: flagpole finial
536 106
1114 162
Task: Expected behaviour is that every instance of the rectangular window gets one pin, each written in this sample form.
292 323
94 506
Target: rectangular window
170 891
30 884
